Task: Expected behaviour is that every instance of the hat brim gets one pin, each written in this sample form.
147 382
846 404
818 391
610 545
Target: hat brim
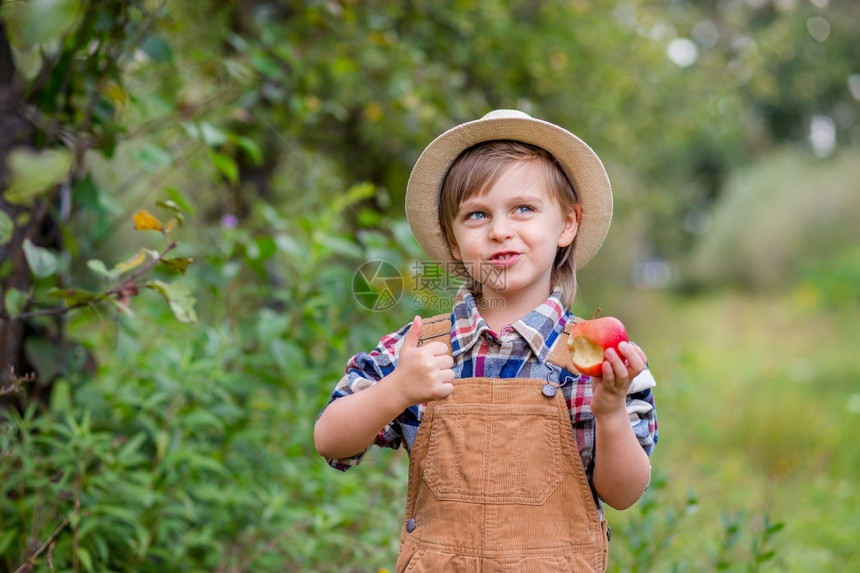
582 164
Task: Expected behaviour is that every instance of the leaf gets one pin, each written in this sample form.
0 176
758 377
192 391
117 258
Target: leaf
7 228
157 49
48 20
144 221
128 455
162 441
6 539
212 136
251 148
178 265
116 95
342 246
288 355
85 558
131 263
180 200
170 205
225 165
61 396
15 301
43 263
179 298
99 268
73 297
33 173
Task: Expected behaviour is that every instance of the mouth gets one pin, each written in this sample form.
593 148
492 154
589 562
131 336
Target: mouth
504 258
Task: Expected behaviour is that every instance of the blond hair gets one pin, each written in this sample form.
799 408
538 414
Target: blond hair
480 166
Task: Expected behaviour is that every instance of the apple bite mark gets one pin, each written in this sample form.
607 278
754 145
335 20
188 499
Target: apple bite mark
587 356
589 340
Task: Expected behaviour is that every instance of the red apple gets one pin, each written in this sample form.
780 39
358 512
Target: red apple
589 339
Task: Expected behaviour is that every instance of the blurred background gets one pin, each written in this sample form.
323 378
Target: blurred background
202 206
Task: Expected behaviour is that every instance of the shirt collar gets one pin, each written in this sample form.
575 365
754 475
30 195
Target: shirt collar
468 324
539 328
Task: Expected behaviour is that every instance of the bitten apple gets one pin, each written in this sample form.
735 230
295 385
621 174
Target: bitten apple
589 340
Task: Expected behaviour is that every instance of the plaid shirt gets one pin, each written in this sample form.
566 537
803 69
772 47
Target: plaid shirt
520 350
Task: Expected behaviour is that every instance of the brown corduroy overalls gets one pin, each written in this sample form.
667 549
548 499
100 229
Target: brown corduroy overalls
496 482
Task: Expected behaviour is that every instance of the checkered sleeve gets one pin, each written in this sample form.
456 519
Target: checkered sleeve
362 371
643 412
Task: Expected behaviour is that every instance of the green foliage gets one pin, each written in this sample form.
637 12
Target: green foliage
833 281
757 410
192 445
75 89
647 539
179 435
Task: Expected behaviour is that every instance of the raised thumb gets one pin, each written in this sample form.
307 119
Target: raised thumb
413 334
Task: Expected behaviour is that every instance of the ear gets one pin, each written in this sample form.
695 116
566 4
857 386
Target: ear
455 250
571 226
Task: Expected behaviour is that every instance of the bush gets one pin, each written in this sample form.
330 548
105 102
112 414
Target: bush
191 448
779 215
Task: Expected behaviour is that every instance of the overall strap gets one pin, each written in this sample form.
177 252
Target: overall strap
436 328
560 353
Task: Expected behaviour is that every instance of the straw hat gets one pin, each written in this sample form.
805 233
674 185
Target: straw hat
583 165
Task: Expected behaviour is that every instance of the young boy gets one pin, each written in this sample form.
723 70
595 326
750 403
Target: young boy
511 450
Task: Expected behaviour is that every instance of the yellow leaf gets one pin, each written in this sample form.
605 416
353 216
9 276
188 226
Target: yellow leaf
144 221
116 95
170 225
131 263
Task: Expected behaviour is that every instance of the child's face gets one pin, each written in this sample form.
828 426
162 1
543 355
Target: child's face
508 237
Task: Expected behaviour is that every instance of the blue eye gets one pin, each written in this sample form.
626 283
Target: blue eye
523 209
476 215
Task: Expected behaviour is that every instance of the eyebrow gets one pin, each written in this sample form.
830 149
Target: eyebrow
478 200
525 198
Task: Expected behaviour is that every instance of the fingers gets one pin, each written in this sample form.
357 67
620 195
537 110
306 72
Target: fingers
445 390
632 353
622 366
428 369
616 363
635 358
437 348
413 335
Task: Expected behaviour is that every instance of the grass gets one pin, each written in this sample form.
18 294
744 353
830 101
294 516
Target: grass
759 410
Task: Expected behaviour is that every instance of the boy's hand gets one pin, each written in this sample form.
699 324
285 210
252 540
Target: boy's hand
609 392
423 372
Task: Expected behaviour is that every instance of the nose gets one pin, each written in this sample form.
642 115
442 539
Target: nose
500 229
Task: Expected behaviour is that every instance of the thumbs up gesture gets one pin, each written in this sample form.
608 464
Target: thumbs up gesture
424 372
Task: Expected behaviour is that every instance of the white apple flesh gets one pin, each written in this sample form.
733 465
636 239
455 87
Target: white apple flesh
589 341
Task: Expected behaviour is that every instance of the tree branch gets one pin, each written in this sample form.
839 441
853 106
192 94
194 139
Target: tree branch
115 291
31 560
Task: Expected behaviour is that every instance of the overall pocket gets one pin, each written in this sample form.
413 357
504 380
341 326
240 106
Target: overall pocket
499 454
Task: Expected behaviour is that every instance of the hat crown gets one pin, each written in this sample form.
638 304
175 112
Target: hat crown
506 114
